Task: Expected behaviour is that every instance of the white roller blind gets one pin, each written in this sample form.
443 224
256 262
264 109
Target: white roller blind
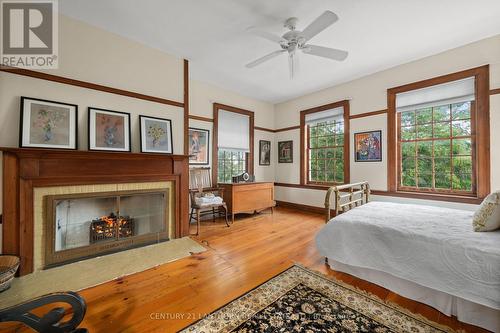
327 115
233 131
446 93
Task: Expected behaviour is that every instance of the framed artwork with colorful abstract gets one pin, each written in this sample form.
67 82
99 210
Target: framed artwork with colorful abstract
368 146
199 146
109 130
156 135
48 124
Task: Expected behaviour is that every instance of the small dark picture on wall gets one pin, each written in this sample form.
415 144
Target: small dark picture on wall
198 145
109 130
264 152
368 146
285 151
48 124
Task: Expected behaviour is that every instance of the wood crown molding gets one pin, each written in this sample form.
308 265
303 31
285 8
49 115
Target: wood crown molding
354 116
200 118
367 114
88 85
482 131
284 129
291 128
264 129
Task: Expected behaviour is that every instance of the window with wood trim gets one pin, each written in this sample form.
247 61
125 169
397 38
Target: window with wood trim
325 144
437 148
233 136
438 136
325 150
230 163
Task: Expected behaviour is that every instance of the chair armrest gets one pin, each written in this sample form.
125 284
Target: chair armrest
51 321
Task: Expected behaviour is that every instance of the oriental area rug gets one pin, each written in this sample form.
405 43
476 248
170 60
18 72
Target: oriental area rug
300 300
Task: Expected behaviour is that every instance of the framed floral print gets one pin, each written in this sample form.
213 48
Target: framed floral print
264 152
156 135
48 124
109 130
198 146
368 146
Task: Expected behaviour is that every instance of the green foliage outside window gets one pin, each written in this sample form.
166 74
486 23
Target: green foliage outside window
230 163
436 148
326 152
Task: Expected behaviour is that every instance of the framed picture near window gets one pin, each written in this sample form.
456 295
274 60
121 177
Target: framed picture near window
156 135
264 152
109 130
285 151
48 124
198 146
368 146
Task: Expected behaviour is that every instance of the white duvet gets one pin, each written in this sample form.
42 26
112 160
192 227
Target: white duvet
431 246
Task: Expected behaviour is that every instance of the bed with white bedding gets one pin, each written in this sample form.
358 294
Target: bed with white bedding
430 254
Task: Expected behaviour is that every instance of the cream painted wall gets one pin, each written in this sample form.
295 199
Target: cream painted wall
13 86
91 54
265 173
202 97
370 94
289 172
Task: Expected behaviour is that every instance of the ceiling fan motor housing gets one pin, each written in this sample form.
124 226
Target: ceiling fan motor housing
291 23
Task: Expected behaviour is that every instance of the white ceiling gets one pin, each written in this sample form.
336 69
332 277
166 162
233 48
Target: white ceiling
378 34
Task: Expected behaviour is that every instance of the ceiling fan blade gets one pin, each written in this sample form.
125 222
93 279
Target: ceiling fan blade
321 23
267 35
325 52
264 58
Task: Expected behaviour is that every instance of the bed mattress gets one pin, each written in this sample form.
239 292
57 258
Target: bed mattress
431 246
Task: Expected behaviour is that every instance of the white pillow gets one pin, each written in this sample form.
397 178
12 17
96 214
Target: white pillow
487 217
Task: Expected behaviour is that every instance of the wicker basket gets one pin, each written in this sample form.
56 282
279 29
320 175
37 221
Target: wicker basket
8 267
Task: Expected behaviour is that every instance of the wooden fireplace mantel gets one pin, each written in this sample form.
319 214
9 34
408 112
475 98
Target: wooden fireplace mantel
24 169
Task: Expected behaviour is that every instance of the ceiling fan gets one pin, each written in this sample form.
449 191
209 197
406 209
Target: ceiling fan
294 40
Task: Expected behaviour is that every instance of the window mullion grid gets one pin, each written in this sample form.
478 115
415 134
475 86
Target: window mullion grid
433 182
416 150
451 150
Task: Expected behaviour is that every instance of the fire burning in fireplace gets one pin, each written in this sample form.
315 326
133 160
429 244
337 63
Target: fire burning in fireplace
111 227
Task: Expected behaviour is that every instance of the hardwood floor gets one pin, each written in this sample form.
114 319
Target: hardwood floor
254 249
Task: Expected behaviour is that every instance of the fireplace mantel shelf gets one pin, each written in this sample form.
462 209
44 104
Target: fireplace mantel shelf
25 169
36 152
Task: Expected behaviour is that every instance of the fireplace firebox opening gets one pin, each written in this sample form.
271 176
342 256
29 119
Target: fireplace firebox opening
85 225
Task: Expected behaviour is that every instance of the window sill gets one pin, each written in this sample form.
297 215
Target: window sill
307 186
401 194
431 196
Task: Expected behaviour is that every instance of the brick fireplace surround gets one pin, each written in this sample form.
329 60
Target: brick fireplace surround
27 169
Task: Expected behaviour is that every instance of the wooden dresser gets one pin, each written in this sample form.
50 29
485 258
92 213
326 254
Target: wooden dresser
248 197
